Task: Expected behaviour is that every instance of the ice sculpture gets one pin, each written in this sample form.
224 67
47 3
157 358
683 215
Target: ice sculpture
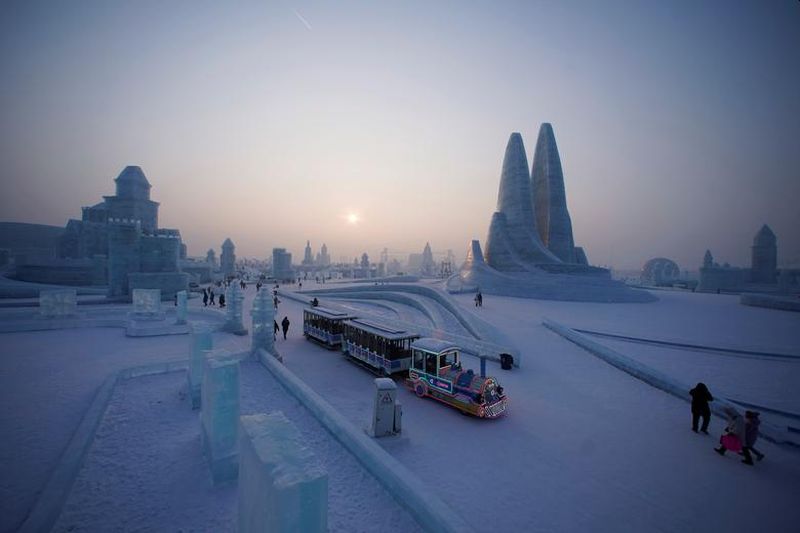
234 299
530 252
263 314
220 416
147 304
58 302
200 346
182 308
513 243
549 197
281 486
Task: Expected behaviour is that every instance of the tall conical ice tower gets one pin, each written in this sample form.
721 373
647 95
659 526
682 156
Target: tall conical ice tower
513 243
549 198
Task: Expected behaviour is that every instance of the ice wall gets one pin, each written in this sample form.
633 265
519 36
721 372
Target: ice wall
281 486
58 303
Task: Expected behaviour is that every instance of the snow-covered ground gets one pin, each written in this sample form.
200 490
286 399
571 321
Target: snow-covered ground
584 447
155 413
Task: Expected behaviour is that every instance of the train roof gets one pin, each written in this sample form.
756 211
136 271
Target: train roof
329 313
382 330
433 345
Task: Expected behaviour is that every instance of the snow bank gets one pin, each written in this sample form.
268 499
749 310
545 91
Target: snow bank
657 379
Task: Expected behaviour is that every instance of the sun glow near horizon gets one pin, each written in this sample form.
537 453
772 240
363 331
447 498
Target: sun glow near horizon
352 218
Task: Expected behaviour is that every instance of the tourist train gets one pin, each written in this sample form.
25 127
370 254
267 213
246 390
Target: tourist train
433 366
324 326
383 349
436 372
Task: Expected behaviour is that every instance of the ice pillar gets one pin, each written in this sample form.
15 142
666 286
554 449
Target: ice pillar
263 314
220 417
281 487
234 299
201 343
182 309
549 198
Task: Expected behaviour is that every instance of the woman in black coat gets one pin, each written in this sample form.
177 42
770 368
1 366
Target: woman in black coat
700 409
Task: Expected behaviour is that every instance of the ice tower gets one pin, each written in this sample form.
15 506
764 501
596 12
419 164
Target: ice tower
549 198
513 243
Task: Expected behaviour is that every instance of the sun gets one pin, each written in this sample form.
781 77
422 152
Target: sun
352 218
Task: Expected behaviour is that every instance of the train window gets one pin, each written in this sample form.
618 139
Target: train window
430 363
419 360
447 359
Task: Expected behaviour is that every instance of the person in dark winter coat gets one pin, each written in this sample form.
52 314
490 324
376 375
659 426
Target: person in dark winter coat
285 326
700 409
275 330
733 439
751 423
211 297
205 298
222 300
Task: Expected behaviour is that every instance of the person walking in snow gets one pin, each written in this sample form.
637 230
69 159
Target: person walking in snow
275 330
211 296
285 326
222 300
205 297
700 409
733 438
751 423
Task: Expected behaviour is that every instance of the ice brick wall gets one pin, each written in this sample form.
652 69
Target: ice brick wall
281 486
57 303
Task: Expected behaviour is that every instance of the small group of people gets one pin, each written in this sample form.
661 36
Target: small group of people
284 325
208 297
479 299
740 435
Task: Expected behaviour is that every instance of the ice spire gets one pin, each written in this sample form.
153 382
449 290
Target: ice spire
513 243
549 198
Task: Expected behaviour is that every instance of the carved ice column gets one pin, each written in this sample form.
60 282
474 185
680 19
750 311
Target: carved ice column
182 309
201 344
234 300
263 314
220 416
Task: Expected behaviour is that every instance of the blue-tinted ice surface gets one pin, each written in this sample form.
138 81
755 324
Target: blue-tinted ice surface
220 416
201 342
281 486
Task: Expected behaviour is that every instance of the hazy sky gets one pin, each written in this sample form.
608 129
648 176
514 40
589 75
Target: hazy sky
678 122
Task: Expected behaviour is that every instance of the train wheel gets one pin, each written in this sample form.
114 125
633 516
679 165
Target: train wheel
421 390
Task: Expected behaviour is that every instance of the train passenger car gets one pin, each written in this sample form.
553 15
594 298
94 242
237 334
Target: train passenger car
324 326
436 372
382 348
